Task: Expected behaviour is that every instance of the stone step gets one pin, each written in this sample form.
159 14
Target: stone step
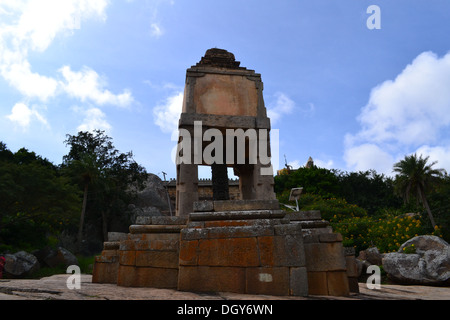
313 224
136 229
251 231
116 236
111 245
304 215
237 215
160 220
235 205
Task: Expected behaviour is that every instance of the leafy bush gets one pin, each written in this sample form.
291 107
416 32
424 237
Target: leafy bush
387 233
335 208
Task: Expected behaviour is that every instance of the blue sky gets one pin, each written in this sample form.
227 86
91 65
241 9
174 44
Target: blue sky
351 97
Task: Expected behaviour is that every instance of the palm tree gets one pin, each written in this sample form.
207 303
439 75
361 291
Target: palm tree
414 175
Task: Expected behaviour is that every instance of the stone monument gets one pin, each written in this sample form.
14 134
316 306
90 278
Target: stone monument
221 95
245 245
248 245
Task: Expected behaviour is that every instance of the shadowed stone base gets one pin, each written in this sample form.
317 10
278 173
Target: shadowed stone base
146 257
325 258
242 251
231 246
107 264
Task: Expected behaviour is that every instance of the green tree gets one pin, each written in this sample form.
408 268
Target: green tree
438 200
416 177
36 201
108 177
369 190
86 171
314 180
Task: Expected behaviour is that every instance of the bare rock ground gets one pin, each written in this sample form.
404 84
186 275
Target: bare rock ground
55 288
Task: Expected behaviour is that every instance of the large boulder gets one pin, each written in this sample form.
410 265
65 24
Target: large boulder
60 257
425 243
429 264
20 264
43 254
366 258
372 255
152 200
153 195
51 257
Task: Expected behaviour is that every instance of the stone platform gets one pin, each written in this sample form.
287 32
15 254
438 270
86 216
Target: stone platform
247 250
247 247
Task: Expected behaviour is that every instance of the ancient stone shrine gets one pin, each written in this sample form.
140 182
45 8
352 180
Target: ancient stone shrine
224 100
248 245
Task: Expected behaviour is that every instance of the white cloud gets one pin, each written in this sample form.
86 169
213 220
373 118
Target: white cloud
324 164
166 115
94 119
402 115
369 156
441 154
40 21
28 83
295 164
282 106
155 30
22 115
87 85
414 107
31 26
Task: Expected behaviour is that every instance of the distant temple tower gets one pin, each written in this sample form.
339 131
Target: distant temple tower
310 163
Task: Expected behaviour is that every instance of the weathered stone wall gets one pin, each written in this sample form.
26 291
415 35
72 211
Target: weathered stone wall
149 256
243 251
234 246
226 95
106 265
324 252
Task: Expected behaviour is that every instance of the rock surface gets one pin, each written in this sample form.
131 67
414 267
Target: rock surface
425 243
54 257
55 288
152 200
429 264
20 264
371 255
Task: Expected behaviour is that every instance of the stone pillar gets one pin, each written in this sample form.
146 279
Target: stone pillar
246 186
219 180
187 188
352 269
